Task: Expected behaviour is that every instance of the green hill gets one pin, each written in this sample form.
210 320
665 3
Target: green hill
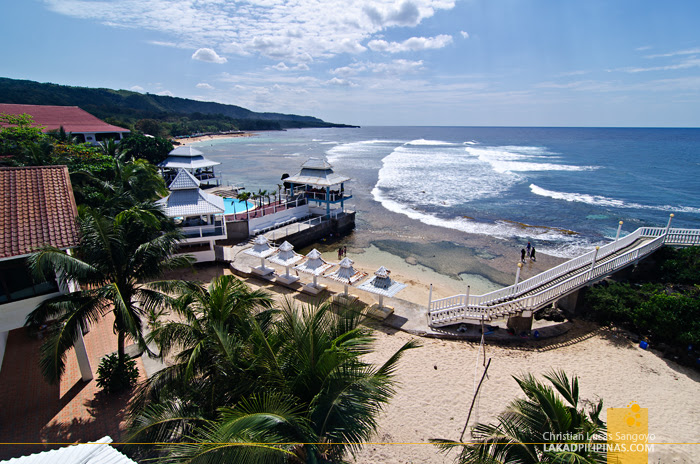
177 116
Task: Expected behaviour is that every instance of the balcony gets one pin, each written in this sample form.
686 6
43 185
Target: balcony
334 196
204 230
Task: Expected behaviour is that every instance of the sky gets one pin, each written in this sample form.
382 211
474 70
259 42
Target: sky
620 63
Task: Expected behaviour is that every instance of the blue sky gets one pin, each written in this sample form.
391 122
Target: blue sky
378 62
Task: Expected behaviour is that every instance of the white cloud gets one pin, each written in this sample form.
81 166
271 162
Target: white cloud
281 66
692 51
137 88
166 93
204 85
208 55
413 44
689 63
163 44
294 32
464 34
341 82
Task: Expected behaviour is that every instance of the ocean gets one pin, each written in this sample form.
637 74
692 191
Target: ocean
563 189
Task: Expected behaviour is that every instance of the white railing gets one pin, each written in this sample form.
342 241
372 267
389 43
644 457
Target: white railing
451 310
202 231
321 196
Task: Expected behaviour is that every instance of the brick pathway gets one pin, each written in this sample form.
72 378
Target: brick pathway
33 412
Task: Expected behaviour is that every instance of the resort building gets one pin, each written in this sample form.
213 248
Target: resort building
199 214
77 122
323 189
37 209
191 160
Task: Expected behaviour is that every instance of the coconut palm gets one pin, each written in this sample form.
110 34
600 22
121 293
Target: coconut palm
259 376
114 255
527 424
244 197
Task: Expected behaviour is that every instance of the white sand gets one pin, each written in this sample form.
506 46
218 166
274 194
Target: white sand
437 380
433 403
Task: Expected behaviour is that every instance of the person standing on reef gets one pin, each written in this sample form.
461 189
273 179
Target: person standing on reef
528 249
522 255
532 254
340 252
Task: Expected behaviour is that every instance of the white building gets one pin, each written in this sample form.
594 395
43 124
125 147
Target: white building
199 214
191 160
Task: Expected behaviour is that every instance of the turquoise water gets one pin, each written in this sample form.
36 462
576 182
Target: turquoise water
563 189
234 205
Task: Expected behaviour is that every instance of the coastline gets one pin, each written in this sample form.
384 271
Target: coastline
204 138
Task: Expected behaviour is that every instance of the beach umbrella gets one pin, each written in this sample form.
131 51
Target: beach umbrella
314 265
346 274
286 256
261 249
381 284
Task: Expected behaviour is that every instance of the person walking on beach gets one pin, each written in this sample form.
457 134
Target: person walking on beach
528 249
522 255
532 254
345 251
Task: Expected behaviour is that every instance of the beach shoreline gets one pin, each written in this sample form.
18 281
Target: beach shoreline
205 138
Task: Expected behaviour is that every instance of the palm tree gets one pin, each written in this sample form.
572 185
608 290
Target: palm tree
130 183
527 424
285 385
245 196
113 257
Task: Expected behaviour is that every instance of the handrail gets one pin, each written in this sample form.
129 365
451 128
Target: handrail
451 310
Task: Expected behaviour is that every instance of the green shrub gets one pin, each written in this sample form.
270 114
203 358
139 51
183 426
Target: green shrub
114 377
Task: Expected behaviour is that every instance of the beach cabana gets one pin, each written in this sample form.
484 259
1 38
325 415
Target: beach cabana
199 215
191 160
320 186
346 274
314 265
286 256
381 284
261 249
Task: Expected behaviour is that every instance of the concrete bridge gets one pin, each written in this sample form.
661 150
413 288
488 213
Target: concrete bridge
560 283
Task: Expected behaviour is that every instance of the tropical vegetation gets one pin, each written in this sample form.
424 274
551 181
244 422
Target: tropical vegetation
115 257
156 115
249 382
660 301
546 415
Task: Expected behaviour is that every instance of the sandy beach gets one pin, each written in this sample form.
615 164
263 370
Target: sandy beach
204 138
437 380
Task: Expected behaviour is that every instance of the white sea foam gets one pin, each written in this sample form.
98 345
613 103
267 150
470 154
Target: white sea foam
522 159
559 244
599 200
434 143
442 176
359 149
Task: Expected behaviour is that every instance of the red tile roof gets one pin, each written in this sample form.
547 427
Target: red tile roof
37 208
72 118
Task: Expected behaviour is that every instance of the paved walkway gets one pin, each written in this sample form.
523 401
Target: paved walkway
34 413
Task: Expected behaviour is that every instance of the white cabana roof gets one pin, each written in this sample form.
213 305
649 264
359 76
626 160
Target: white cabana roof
97 452
261 248
189 200
318 172
186 157
286 256
314 264
346 273
184 181
185 150
381 284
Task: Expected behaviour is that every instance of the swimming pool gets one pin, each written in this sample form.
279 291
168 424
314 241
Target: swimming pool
234 205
